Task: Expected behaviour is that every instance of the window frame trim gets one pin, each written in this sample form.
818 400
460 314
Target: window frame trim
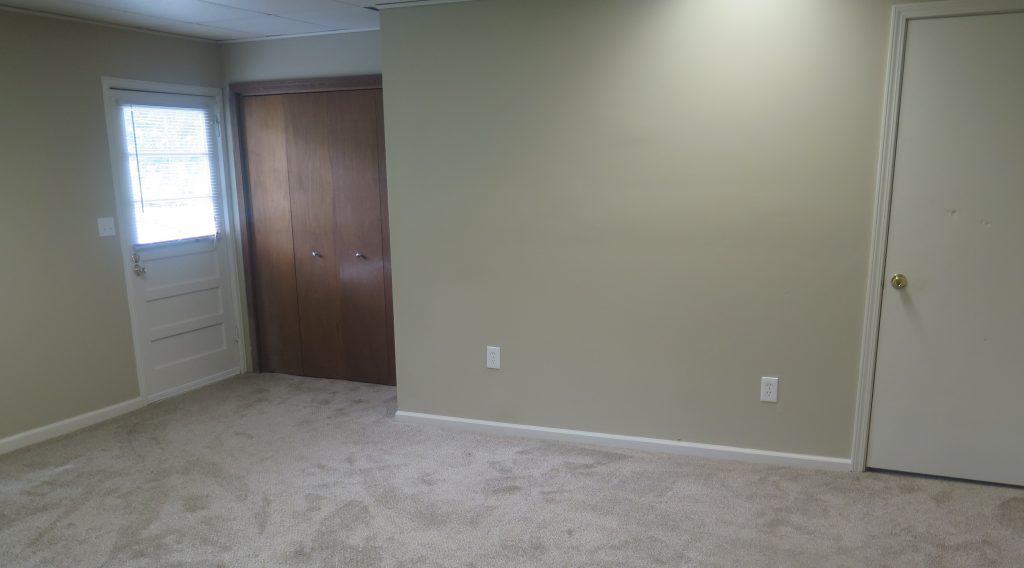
120 97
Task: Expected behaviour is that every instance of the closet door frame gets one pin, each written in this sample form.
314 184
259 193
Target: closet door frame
236 92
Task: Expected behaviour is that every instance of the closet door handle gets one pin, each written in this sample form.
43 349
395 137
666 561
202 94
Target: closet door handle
360 255
317 254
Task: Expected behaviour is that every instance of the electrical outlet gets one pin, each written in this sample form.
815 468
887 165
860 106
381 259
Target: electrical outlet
769 389
493 357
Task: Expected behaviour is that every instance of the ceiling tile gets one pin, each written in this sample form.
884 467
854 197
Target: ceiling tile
217 19
94 13
62 7
278 7
271 25
340 17
182 10
206 31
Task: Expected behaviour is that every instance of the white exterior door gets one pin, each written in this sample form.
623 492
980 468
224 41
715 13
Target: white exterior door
166 154
949 377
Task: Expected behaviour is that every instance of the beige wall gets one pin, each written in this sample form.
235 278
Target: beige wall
355 53
65 337
647 205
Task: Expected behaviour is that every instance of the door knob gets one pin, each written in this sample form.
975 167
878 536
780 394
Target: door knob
898 281
317 254
137 268
360 255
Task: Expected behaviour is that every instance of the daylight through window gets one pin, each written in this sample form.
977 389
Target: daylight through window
170 162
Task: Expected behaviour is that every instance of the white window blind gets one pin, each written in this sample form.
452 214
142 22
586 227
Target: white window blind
171 163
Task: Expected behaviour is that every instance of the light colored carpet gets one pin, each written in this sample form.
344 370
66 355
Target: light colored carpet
270 470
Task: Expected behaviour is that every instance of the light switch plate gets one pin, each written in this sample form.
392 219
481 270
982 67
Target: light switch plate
105 225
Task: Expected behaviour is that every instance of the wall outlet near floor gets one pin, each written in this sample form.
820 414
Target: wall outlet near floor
493 357
769 389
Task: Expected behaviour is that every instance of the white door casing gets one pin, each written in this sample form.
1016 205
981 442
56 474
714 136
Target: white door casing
185 306
948 366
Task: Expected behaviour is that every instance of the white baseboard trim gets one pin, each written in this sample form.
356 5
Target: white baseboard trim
200 383
43 433
69 425
631 442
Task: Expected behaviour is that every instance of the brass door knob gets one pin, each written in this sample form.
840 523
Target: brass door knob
137 268
898 281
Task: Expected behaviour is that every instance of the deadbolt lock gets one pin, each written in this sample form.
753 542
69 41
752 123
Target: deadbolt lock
898 281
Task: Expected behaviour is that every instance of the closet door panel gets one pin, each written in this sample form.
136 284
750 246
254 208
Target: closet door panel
317 264
272 256
355 144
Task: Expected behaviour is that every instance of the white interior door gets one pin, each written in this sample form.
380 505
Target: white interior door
166 152
949 383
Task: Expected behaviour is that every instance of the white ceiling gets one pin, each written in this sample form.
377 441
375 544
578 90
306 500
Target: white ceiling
220 20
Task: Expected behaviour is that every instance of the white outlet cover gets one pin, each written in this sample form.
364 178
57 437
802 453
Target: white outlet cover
105 226
493 357
769 389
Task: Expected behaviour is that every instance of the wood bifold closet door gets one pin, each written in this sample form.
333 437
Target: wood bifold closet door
317 234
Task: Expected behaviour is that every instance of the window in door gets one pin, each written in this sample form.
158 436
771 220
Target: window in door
171 166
